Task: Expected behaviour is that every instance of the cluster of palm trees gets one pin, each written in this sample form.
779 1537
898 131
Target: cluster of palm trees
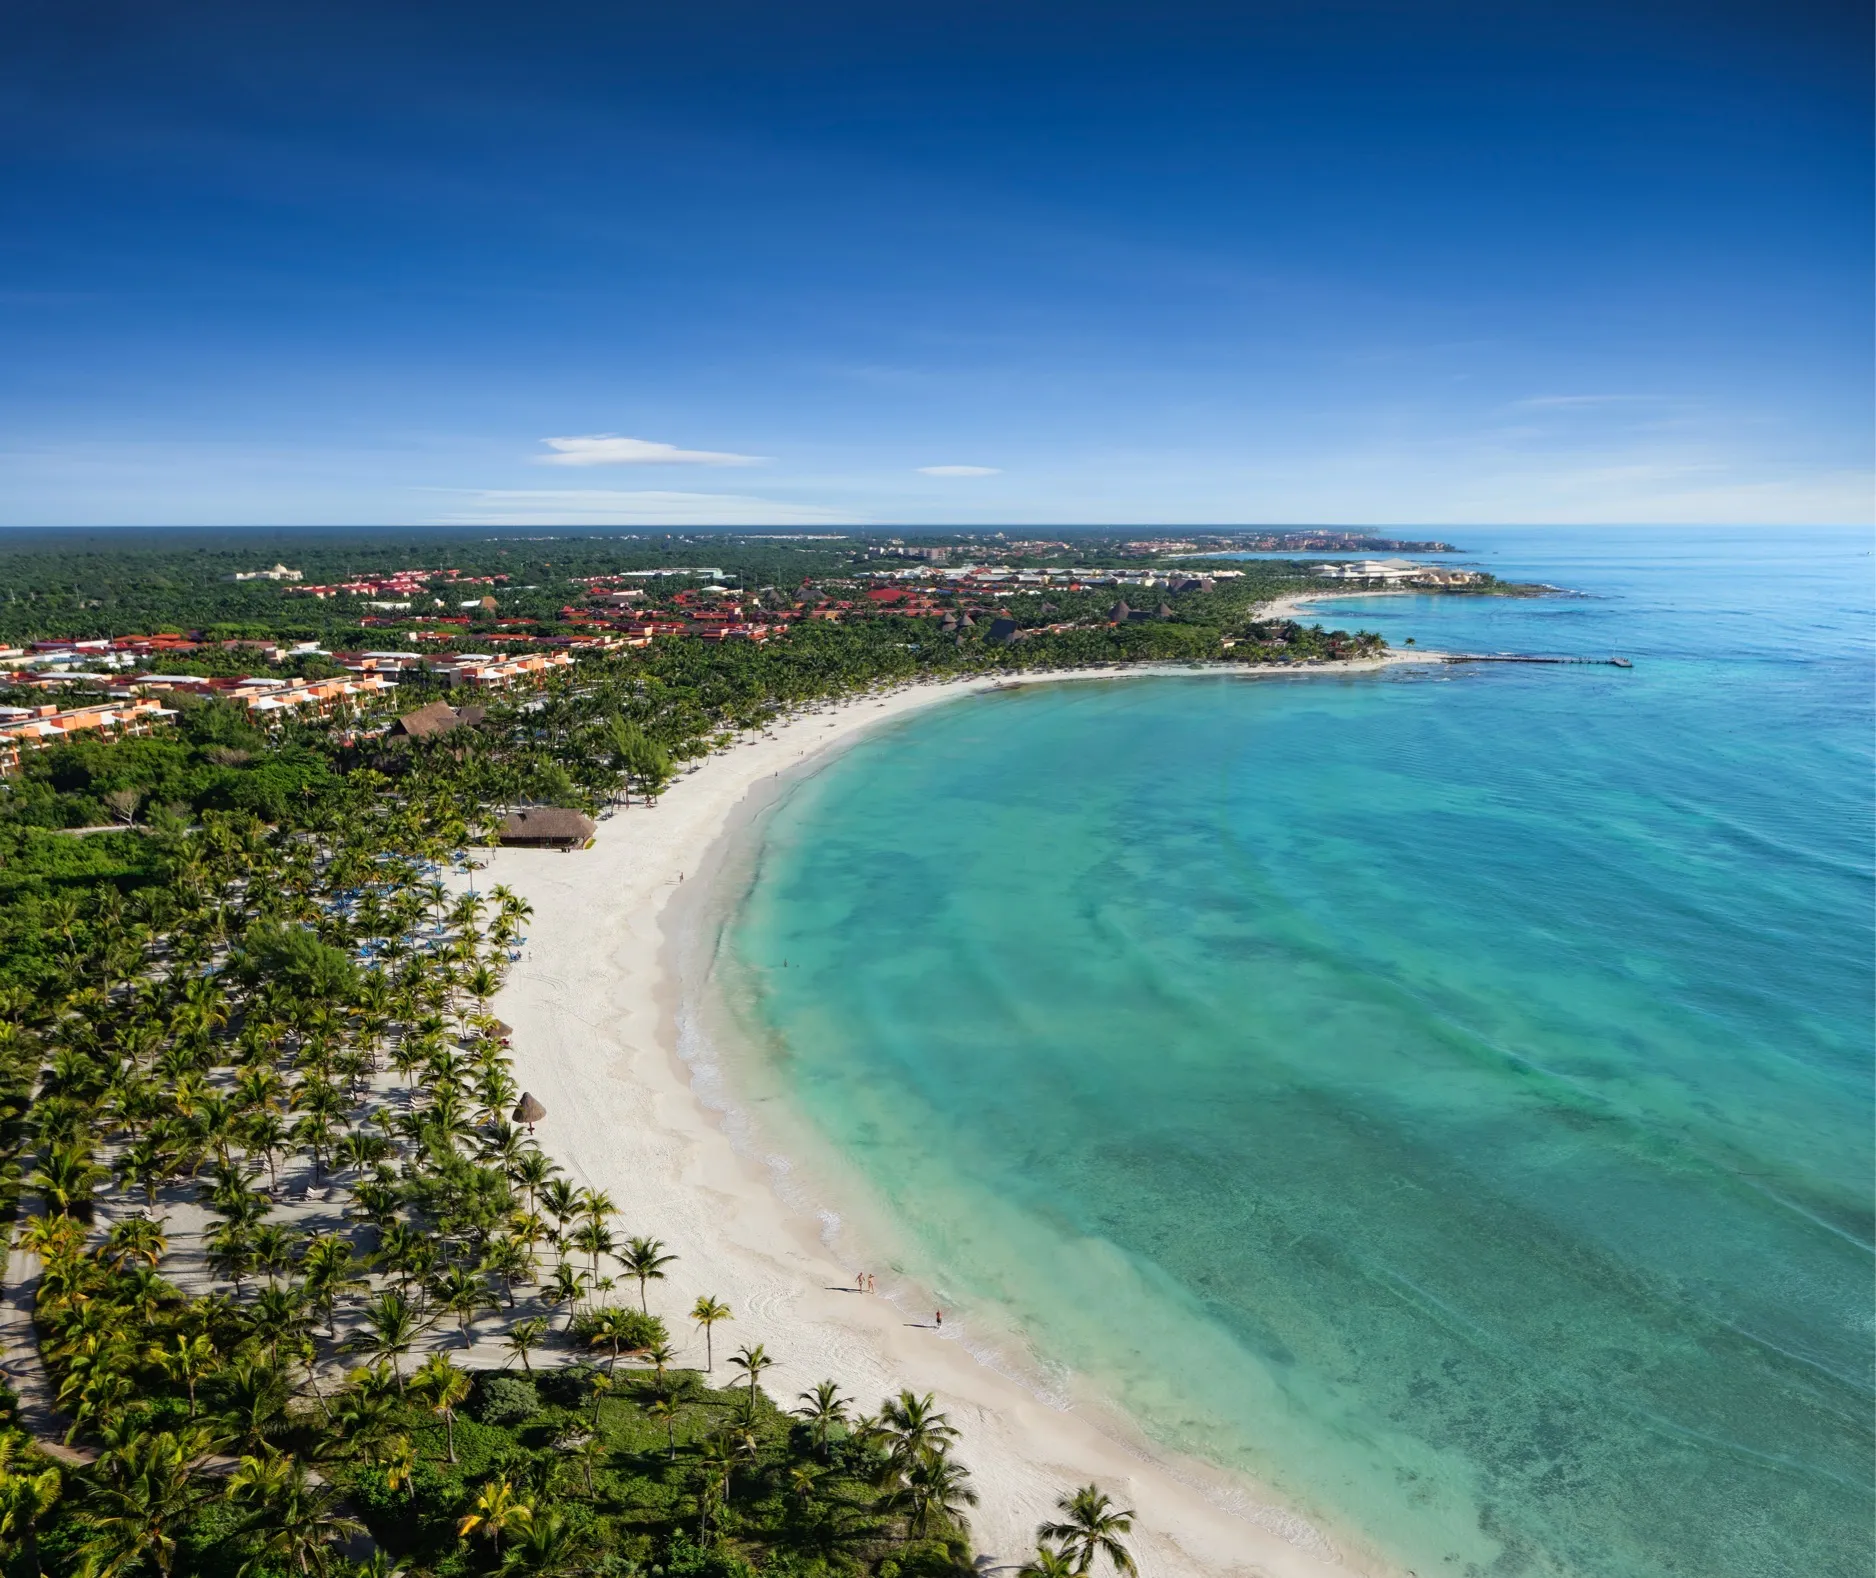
297 1037
284 1138
265 1125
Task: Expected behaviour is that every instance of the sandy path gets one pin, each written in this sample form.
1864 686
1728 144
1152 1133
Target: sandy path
591 1002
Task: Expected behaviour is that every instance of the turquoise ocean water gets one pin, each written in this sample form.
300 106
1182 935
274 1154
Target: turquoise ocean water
1446 1096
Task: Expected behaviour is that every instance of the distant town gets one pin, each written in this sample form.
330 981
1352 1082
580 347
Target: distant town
275 639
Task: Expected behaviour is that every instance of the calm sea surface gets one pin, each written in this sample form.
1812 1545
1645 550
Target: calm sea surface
1446 1096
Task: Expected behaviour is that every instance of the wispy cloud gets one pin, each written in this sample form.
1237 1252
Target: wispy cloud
617 507
960 471
1572 401
608 449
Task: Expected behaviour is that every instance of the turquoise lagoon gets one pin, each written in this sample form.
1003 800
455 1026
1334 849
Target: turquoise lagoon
1444 1096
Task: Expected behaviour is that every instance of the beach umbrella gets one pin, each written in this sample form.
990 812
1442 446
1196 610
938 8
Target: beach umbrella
529 1111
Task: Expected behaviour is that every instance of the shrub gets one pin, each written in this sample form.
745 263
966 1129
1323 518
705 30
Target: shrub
634 1329
569 1386
506 1400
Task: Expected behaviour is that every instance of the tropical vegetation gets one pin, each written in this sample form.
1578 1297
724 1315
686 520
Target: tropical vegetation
309 1297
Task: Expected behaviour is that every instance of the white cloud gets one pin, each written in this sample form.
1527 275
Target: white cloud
960 471
1566 402
614 507
608 449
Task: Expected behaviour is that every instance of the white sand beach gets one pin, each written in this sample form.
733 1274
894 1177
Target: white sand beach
593 1006
1299 606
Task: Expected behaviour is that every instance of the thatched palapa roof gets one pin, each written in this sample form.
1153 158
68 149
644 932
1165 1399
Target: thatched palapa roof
528 1110
547 824
439 717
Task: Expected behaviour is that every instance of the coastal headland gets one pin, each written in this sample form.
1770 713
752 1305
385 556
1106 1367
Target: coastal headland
594 1003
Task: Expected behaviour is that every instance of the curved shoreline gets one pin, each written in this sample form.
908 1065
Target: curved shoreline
637 1105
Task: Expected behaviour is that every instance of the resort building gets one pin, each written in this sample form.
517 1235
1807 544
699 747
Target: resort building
267 696
1396 572
30 728
486 669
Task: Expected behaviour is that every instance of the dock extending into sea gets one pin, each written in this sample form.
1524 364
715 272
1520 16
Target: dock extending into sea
1523 657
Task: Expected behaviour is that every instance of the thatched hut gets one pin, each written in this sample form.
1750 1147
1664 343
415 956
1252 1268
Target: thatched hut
439 717
528 1111
546 827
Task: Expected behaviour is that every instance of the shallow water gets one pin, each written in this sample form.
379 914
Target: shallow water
1445 1096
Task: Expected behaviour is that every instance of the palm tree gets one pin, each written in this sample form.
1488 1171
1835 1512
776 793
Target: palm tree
592 1238
533 1170
276 1314
938 1483
526 1335
482 984
914 1430
715 1464
822 1408
1048 1563
391 1330
509 1259
366 1412
659 1356
273 1245
664 1408
645 1259
496 1510
253 1402
548 1545
566 1286
752 1362
612 1328
465 1295
146 1492
441 1386
1093 1527
596 1205
265 1134
706 1312
230 1253
66 1179
25 1498
296 1517
187 1360
398 1459
136 1238
329 1270
600 1385
562 1202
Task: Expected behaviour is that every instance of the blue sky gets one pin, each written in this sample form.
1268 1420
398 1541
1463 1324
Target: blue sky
933 263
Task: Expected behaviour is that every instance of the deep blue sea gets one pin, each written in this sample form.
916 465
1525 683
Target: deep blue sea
1445 1096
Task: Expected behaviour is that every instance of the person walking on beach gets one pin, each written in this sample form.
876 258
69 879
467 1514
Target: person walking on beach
871 1285
938 1319
859 1283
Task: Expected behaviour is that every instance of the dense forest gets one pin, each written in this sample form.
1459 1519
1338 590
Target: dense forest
294 1289
103 583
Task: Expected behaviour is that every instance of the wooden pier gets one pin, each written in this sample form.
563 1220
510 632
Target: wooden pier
1522 657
